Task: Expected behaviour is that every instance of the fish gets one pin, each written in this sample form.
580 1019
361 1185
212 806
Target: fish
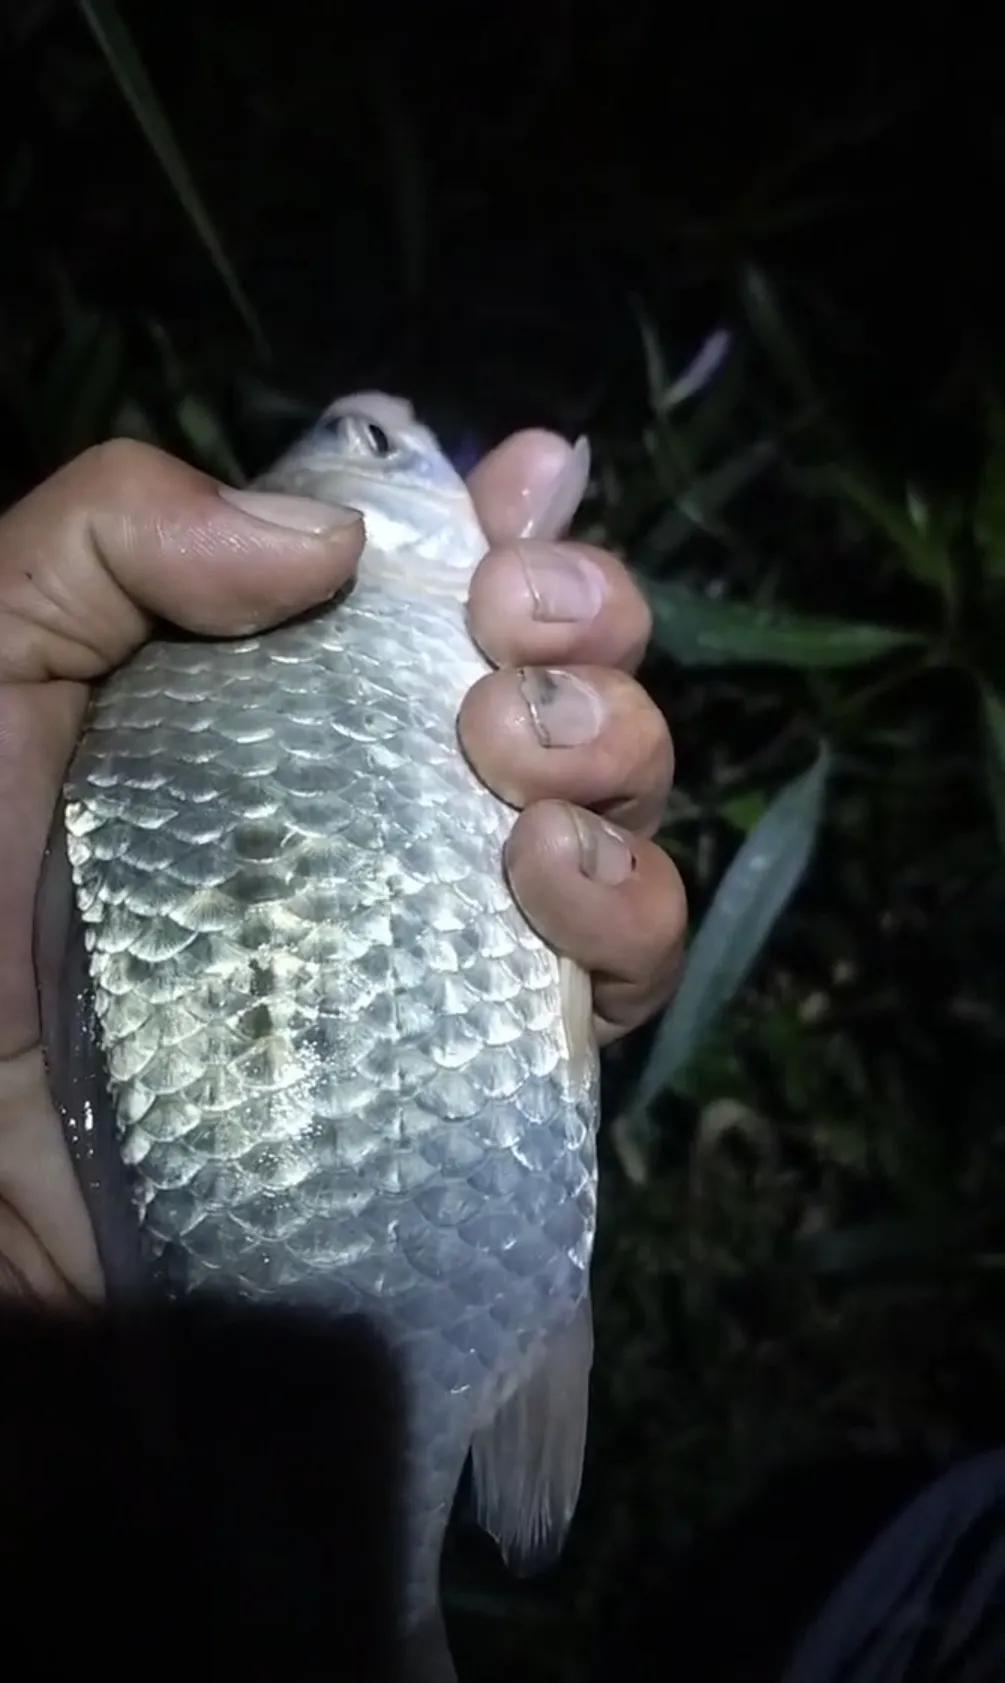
306 1047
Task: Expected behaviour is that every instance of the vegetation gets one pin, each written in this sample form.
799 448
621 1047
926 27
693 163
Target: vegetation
804 1162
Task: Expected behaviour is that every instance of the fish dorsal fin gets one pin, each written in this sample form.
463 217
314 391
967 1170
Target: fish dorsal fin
527 1461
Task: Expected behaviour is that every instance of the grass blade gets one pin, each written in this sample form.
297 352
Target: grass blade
128 69
204 433
917 544
702 369
700 506
753 893
99 378
765 316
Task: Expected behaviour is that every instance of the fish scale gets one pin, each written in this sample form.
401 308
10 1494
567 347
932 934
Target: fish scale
337 1056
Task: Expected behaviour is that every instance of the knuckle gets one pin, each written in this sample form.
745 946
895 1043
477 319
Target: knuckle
118 461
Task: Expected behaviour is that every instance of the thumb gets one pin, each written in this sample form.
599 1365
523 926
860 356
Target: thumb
125 533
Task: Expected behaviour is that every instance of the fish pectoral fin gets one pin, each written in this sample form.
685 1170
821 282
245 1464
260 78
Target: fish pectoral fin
576 990
527 1461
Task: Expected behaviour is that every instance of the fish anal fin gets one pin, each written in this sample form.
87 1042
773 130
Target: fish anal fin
527 1461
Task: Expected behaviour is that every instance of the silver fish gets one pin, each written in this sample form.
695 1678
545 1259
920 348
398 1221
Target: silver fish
302 1026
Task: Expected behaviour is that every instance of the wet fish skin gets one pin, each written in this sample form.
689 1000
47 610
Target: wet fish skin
342 1069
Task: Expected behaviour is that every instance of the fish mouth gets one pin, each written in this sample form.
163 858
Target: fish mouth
368 451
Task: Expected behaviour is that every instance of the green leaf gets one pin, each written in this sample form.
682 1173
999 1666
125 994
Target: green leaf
697 630
77 386
915 536
705 383
744 811
698 508
204 432
765 316
702 370
657 375
714 409
96 389
198 422
883 1248
751 896
132 420
994 722
129 71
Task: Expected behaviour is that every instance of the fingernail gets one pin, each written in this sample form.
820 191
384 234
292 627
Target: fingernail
565 586
564 711
604 855
551 506
297 514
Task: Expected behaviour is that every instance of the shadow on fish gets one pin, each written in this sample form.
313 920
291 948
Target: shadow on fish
308 1053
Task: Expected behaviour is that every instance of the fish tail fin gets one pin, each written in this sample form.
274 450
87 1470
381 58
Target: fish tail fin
528 1460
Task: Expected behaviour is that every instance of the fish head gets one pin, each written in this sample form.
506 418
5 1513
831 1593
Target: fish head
370 452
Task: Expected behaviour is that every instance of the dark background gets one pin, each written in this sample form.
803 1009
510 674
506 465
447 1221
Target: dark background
466 201
471 205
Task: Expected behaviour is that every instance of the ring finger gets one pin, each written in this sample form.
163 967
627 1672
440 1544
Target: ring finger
584 734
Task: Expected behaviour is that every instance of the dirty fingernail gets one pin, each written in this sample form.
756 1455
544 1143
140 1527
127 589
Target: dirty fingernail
564 711
297 514
604 855
552 505
564 585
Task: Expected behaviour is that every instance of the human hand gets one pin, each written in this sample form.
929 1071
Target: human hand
125 534
562 726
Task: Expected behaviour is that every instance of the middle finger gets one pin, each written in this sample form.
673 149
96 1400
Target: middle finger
558 602
585 734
